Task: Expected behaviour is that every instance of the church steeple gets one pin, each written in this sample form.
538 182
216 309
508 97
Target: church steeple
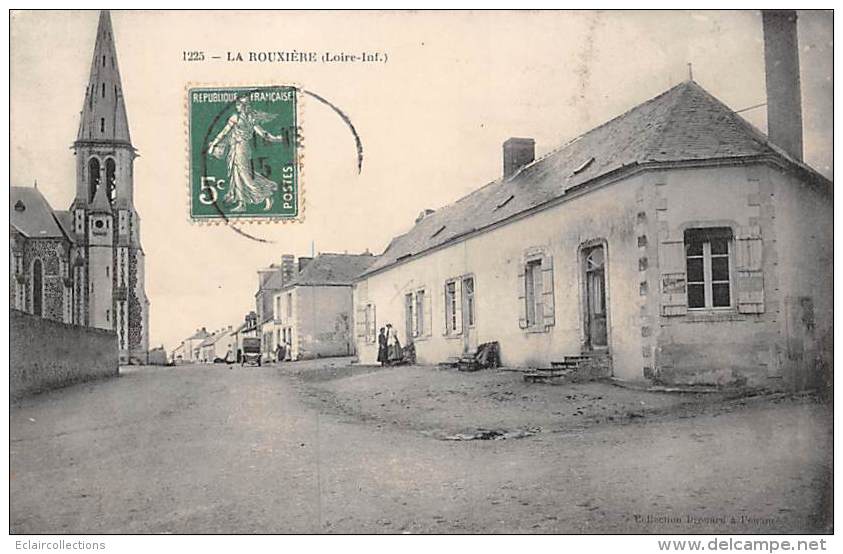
104 111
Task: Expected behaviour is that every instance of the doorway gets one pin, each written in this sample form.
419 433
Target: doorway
594 264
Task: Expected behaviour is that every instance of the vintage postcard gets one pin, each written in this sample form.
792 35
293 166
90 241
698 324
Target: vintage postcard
422 272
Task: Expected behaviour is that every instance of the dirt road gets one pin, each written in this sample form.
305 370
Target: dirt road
207 449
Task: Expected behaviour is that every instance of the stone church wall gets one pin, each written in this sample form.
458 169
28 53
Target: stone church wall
47 354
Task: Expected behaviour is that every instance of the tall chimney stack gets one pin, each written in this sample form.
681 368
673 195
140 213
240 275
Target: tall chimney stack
784 96
517 152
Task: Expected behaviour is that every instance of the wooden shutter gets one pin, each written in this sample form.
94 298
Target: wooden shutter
360 322
521 283
459 303
673 278
548 308
373 324
428 319
750 276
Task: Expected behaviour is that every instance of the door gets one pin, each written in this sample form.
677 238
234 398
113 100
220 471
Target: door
469 335
595 297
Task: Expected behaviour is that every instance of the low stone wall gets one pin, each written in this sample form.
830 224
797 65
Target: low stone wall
46 354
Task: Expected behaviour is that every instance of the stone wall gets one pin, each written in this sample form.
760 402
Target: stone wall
46 354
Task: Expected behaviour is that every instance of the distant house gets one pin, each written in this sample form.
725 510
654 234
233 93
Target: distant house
313 313
219 345
271 280
157 356
675 243
249 328
190 347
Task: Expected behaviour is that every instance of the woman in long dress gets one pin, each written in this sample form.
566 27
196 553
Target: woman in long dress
393 344
246 186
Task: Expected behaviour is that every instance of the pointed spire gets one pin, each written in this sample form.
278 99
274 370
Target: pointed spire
104 112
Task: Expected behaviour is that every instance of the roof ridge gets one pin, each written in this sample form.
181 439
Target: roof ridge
600 126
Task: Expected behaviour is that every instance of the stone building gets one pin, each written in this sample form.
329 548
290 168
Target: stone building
270 281
86 265
674 243
313 313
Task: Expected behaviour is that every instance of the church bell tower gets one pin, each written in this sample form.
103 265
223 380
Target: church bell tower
109 262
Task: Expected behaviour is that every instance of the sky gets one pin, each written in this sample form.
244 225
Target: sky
432 119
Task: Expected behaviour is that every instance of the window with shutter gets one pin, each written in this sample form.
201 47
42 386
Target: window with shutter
547 302
450 307
749 275
672 268
521 283
428 319
458 307
533 297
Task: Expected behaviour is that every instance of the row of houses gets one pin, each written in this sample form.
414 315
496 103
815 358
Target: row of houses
303 305
675 243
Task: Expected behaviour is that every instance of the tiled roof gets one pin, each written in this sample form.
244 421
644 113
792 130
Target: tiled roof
200 334
65 219
333 269
683 124
32 215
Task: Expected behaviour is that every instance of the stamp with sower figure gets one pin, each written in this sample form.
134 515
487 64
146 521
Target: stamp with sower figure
244 153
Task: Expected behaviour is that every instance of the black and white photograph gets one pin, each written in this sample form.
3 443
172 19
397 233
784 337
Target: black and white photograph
437 272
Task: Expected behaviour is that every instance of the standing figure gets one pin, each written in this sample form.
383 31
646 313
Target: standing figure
383 350
393 344
245 185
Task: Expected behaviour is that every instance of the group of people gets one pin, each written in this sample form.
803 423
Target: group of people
389 347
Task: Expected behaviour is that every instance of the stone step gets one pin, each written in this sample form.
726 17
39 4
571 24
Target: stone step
550 372
545 378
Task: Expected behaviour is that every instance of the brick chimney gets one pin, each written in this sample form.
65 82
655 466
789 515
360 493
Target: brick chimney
517 152
784 97
288 267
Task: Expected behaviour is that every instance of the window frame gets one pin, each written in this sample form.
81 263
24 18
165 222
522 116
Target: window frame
707 234
532 278
451 306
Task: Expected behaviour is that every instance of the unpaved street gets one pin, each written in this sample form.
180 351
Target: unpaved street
208 449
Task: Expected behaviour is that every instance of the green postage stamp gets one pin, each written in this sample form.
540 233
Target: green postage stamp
244 153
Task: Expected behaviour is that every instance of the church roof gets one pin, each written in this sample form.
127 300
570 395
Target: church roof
104 111
32 215
333 269
683 124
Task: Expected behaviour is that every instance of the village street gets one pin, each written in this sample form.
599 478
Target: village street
310 448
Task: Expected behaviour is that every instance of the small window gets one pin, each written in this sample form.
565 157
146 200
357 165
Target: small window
107 271
707 263
103 90
103 61
533 285
289 304
108 315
